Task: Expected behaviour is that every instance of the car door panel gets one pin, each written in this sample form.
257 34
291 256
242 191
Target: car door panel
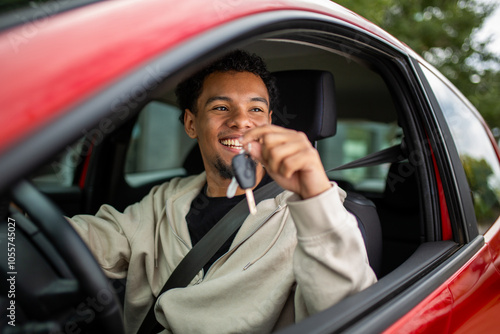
460 303
475 290
377 307
436 311
492 237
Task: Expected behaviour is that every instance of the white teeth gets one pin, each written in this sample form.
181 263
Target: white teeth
231 143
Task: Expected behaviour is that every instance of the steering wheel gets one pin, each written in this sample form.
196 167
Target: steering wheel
82 264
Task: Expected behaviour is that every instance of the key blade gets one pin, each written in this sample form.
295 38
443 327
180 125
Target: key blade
251 201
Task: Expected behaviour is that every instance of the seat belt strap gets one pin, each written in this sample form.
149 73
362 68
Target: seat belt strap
206 248
392 154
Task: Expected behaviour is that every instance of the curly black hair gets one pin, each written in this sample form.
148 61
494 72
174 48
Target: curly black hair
189 90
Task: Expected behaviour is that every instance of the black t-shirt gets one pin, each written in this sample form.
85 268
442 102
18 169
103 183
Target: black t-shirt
206 211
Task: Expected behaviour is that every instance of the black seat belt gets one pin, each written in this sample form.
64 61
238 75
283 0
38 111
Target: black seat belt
394 153
206 248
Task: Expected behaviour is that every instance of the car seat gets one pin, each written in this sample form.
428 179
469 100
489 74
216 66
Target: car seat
399 210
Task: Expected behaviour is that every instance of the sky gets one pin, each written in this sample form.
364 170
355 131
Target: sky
492 27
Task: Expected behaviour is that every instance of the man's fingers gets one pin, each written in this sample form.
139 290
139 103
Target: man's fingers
271 144
273 155
282 151
289 158
300 161
258 133
271 136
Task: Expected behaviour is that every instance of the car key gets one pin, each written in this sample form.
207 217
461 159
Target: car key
244 174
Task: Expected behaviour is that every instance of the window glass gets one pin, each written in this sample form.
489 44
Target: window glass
354 140
476 152
158 145
61 171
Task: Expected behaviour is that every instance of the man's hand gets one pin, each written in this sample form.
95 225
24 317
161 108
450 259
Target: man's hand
289 158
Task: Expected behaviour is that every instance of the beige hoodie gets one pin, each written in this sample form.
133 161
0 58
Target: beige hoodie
292 259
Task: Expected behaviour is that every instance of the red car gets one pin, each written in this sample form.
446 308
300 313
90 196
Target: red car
89 117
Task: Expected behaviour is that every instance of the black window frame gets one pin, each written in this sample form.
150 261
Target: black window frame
456 186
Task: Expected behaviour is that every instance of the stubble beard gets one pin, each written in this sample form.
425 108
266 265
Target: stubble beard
223 169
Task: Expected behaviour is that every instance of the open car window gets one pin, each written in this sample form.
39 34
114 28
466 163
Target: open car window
61 171
158 145
152 147
356 139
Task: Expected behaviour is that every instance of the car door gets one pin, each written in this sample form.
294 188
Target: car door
380 94
468 300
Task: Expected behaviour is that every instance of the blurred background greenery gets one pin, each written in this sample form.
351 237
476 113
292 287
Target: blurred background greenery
444 32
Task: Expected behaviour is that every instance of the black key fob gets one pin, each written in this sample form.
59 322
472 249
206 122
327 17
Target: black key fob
244 170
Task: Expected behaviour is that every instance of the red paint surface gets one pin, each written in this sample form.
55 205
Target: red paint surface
468 302
446 232
431 316
492 237
50 65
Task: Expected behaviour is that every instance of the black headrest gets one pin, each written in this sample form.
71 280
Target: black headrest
307 102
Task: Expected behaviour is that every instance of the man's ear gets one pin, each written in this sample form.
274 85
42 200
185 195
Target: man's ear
189 125
270 116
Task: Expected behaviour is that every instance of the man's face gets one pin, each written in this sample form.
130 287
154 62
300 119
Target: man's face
230 103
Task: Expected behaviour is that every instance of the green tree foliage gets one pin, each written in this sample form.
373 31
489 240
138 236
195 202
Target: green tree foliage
484 191
442 31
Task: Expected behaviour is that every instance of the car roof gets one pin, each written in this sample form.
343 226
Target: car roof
79 52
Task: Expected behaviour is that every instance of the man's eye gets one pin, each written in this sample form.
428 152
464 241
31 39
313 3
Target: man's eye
221 108
257 109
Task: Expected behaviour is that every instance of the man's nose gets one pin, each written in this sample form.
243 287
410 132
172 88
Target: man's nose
240 119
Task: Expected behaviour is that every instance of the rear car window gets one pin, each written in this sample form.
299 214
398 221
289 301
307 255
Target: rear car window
61 171
158 145
354 140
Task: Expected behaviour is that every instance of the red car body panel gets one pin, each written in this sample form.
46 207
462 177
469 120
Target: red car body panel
446 230
55 63
467 302
79 52
493 239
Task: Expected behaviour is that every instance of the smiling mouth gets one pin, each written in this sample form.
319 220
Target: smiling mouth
231 143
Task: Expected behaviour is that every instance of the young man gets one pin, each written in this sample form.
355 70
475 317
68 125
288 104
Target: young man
301 253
